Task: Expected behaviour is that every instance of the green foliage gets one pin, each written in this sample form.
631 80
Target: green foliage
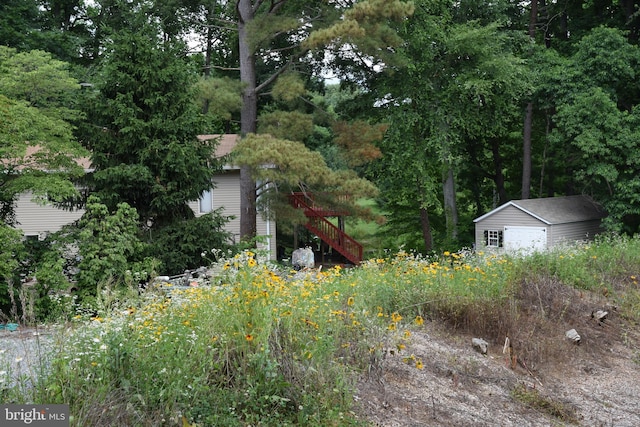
595 127
219 97
108 245
291 166
291 125
267 347
288 88
36 77
450 112
38 148
12 251
367 26
18 20
143 127
185 245
536 400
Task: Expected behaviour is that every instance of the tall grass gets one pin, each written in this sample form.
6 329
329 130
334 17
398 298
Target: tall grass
262 346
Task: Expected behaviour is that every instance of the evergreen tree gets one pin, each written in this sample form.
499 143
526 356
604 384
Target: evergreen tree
143 127
287 37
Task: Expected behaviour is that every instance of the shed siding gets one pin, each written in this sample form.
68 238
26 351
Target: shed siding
556 233
34 219
573 231
509 216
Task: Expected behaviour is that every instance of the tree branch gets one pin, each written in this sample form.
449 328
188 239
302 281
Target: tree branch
272 77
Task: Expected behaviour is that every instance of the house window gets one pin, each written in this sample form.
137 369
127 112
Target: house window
493 238
206 201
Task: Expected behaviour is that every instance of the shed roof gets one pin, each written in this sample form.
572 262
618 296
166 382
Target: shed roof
556 210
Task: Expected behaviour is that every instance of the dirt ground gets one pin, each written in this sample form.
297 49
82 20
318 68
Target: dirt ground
590 385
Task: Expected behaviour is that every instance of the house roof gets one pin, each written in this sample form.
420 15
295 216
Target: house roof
555 210
226 142
30 160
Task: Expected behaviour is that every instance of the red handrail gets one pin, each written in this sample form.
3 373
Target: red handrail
326 230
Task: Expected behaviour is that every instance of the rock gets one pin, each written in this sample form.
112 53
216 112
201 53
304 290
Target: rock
303 258
599 315
480 345
572 334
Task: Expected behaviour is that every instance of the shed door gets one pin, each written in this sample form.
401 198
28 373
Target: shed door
525 238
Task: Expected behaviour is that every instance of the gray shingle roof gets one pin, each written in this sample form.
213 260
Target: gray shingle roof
556 210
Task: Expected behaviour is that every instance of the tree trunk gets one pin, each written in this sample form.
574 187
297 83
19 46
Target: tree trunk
450 207
207 56
526 152
498 176
426 229
248 119
528 119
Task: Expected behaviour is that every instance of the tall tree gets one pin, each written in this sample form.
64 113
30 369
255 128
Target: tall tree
37 145
19 24
525 193
459 96
144 125
278 36
596 124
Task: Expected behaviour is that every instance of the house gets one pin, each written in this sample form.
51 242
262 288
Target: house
36 220
538 224
226 194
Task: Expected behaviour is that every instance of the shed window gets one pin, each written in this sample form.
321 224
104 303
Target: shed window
493 238
206 201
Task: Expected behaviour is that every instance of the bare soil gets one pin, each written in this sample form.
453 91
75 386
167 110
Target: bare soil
596 383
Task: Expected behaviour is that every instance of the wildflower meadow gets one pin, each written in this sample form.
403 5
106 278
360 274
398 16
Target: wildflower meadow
265 345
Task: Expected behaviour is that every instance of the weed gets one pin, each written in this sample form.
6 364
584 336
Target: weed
262 346
532 398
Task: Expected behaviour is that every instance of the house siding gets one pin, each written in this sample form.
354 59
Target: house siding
226 195
35 219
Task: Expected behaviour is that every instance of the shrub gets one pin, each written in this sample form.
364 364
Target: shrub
108 244
184 244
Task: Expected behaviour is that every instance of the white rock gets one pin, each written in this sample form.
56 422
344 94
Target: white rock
572 334
480 345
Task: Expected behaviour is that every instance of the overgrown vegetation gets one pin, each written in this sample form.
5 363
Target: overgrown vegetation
534 399
263 346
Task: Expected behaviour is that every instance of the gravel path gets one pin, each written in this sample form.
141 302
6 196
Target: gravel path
24 354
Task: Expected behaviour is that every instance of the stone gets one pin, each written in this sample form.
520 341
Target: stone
303 258
480 345
572 334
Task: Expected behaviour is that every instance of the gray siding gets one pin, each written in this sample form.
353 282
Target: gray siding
226 195
556 233
35 219
509 216
574 231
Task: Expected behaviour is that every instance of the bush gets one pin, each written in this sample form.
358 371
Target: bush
186 244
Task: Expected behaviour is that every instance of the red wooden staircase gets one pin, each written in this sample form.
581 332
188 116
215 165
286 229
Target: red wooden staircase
317 223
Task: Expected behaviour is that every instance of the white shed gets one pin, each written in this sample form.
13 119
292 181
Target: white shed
538 224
